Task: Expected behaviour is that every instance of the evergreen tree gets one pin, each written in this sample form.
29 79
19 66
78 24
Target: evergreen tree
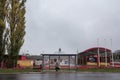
16 21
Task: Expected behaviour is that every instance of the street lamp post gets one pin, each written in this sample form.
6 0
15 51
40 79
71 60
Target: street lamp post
105 53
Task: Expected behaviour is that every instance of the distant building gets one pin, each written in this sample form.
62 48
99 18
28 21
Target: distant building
37 59
116 55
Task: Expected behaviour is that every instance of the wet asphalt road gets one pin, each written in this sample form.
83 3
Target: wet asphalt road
61 76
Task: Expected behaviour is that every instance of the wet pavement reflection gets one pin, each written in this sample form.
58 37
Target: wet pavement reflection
61 76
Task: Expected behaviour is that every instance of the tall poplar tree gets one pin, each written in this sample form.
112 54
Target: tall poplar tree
2 28
16 21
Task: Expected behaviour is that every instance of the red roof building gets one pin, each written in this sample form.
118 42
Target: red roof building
97 56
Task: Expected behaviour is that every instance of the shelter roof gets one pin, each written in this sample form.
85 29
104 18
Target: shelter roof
58 54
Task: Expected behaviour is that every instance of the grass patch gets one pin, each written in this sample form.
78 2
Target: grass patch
100 70
18 70
61 70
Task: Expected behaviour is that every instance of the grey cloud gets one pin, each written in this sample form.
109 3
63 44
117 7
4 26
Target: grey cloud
71 24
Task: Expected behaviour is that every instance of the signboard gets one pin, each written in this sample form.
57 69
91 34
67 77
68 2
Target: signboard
38 62
25 63
91 63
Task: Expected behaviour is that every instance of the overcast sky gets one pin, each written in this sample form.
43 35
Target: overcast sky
71 25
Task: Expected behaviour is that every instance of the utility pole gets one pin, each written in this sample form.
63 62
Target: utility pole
98 53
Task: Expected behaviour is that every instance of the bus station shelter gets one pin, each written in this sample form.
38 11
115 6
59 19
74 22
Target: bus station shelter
66 61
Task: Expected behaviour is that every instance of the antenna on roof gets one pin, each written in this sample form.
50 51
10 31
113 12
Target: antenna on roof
59 50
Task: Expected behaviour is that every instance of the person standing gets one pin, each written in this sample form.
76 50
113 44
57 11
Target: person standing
57 66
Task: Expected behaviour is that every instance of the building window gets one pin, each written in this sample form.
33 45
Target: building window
92 59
